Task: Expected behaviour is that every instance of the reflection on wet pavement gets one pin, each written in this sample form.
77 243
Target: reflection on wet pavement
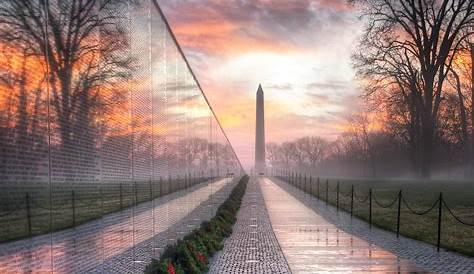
313 245
88 245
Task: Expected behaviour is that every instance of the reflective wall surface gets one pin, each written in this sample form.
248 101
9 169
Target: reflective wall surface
99 112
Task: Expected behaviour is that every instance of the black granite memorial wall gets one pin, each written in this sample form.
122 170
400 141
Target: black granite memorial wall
99 112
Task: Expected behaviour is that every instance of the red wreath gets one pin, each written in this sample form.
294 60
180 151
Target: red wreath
201 257
171 269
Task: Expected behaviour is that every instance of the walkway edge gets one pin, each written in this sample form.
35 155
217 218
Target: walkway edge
273 230
420 253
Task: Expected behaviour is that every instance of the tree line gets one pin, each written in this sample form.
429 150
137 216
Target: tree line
415 64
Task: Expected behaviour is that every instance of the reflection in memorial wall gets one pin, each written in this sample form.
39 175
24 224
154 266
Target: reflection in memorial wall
99 112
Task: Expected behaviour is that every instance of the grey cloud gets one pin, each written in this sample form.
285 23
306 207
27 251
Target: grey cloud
280 87
300 22
332 85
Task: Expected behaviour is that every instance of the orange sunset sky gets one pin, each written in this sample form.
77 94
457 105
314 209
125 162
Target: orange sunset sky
299 50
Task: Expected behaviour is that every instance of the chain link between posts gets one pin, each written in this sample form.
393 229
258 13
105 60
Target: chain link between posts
440 202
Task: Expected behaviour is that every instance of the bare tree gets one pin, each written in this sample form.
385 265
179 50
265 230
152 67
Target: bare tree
272 152
362 131
313 149
463 122
84 46
287 153
411 45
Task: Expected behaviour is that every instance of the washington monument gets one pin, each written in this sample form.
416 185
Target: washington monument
260 133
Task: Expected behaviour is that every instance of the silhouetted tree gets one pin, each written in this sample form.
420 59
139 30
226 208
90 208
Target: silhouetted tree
411 45
84 45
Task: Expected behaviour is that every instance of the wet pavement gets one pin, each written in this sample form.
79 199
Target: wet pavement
91 244
252 248
311 244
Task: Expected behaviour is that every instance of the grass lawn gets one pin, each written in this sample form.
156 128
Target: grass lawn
420 196
56 207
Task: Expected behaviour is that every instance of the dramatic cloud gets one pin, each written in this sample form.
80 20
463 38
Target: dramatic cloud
299 50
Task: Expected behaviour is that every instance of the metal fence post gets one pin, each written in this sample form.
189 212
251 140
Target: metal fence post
311 185
370 208
318 188
168 185
352 200
305 185
73 209
151 191
136 192
327 191
398 212
28 213
439 219
337 196
161 187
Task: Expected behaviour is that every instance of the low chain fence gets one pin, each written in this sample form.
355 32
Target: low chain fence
26 212
372 201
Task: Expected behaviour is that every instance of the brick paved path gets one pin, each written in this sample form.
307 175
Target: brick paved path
420 253
252 248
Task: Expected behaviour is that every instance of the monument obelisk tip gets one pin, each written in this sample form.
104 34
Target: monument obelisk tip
260 133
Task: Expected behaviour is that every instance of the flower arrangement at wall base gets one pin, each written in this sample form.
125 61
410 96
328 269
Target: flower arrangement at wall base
192 253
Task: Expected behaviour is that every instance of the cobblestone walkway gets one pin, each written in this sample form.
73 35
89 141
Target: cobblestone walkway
253 247
419 253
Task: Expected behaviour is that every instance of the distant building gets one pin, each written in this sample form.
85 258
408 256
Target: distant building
260 133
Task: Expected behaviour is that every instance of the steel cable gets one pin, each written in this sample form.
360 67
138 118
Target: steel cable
422 212
356 198
38 205
454 216
331 190
57 209
11 211
385 206
348 194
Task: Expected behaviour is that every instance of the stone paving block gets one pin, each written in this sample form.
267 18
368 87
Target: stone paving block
252 248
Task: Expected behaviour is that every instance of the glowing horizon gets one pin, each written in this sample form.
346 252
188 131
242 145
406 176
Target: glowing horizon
298 50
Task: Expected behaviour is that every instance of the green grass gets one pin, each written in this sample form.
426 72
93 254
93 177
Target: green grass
51 207
420 195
